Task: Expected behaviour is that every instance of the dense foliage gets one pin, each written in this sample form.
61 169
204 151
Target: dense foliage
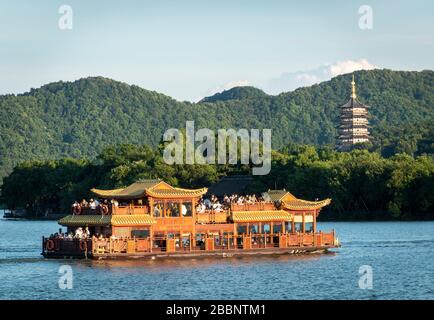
362 184
79 119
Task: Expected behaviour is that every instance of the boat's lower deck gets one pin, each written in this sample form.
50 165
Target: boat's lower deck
224 247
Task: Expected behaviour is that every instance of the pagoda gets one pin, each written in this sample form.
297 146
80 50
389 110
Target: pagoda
353 127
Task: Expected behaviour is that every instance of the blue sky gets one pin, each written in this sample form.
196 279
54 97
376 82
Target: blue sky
190 49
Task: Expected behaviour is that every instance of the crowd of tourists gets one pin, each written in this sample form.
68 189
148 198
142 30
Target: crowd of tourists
93 206
213 203
80 233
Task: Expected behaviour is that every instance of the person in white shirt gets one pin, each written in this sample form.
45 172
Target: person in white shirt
200 208
92 204
79 233
217 206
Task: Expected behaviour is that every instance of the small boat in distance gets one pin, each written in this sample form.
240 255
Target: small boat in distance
153 219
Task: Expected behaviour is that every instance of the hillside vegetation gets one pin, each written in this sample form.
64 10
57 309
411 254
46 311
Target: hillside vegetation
78 119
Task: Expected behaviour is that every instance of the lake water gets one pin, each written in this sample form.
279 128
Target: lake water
401 255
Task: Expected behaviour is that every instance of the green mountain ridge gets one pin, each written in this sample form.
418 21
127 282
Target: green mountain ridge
236 93
78 119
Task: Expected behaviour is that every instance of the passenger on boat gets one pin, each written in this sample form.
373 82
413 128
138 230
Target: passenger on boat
114 203
207 203
200 208
104 207
157 211
226 201
93 205
84 203
240 200
76 208
79 233
183 210
216 206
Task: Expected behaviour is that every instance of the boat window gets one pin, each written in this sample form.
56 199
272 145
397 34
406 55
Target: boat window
299 226
242 228
266 228
140 233
288 227
309 227
159 240
186 241
254 228
227 236
171 235
158 209
277 227
172 209
186 209
200 239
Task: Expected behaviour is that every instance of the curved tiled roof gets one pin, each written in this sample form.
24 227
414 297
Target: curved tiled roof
278 195
354 103
133 191
258 216
154 188
299 204
132 220
176 192
99 220
85 220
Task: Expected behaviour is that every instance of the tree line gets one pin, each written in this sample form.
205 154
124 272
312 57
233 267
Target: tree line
361 183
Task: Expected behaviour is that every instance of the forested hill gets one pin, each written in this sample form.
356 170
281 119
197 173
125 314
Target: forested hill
78 118
237 93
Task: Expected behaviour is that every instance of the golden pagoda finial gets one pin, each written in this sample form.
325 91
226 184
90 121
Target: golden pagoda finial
353 89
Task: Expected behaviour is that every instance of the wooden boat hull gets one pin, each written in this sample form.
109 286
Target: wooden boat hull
194 254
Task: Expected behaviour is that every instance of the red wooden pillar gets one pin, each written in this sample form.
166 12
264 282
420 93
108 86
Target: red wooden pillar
151 207
151 238
303 225
314 221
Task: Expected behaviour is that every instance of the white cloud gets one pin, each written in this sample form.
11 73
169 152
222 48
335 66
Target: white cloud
348 66
289 81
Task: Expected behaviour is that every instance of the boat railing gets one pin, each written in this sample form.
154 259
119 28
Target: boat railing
67 246
211 243
255 206
212 216
126 210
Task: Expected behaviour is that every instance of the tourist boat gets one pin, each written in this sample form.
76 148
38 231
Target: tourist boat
154 219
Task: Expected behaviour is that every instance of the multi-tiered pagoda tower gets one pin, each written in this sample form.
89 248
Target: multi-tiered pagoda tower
353 127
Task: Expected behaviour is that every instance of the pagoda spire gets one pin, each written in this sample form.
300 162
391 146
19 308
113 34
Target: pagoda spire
353 89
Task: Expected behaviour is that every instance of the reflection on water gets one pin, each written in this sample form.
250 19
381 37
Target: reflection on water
399 253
